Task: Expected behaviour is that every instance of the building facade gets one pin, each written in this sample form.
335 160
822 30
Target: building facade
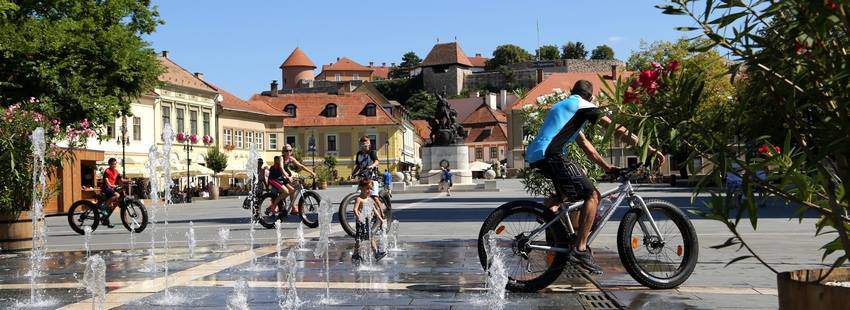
445 68
487 134
345 69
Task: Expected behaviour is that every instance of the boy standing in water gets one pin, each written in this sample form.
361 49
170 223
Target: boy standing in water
362 226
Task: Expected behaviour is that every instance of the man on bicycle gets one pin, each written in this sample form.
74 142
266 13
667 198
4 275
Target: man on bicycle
111 180
366 167
563 125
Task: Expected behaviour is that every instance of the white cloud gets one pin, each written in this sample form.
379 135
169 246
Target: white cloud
613 39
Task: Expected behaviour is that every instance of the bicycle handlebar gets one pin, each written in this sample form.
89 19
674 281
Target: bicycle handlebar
624 172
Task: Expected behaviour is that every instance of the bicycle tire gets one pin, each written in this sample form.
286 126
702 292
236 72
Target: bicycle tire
555 237
302 202
342 214
143 213
689 236
88 205
260 213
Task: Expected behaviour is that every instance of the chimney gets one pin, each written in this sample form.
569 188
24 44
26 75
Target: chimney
164 54
539 76
371 63
491 100
274 88
199 75
383 64
614 71
477 54
337 59
392 64
503 99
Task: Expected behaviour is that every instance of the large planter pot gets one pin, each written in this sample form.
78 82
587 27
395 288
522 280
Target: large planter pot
798 290
16 231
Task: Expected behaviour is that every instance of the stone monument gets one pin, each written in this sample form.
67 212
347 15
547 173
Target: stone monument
446 147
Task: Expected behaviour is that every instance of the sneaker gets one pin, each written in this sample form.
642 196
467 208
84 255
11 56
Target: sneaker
585 260
379 255
106 223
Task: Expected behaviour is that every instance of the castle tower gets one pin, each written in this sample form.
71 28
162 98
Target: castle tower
297 69
445 69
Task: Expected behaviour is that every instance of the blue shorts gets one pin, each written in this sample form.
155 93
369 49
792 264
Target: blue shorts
107 191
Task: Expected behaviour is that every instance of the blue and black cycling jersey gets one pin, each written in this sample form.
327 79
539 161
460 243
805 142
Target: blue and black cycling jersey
561 126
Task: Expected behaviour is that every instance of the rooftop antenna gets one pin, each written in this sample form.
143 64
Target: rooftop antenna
455 38
537 22
438 39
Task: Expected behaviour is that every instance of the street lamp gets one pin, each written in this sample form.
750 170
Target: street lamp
387 151
188 148
124 143
311 146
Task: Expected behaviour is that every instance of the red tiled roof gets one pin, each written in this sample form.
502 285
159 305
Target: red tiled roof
345 64
478 61
446 54
298 59
565 82
484 114
309 108
422 128
465 106
478 134
382 72
177 75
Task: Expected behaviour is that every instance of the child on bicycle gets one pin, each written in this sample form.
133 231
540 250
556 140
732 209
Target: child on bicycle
111 182
277 183
362 227
288 162
365 166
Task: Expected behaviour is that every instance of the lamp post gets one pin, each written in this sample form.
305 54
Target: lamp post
188 148
387 151
123 142
311 146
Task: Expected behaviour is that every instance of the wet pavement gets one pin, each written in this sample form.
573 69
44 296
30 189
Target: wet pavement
424 275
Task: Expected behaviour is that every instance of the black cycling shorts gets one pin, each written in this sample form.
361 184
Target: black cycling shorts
569 179
362 231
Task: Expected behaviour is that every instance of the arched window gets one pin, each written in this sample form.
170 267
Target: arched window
290 109
330 110
369 110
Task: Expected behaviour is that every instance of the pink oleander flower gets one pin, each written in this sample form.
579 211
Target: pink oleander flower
631 97
648 77
673 65
656 66
85 123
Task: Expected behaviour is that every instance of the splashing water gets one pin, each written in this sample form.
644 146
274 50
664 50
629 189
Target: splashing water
94 280
251 171
239 299
325 215
168 183
153 165
87 237
190 236
497 278
299 232
292 301
394 245
278 229
39 226
223 236
366 249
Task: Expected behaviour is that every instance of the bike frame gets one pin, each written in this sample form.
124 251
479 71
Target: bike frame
624 191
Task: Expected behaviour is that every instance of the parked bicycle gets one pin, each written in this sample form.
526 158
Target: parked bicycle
656 241
134 215
346 210
308 206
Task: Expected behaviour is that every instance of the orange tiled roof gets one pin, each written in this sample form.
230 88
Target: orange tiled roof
565 82
382 72
298 59
446 54
309 108
345 64
478 61
497 134
177 75
422 128
234 103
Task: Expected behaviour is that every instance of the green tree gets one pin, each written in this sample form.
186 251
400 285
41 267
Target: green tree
602 52
82 59
508 54
216 160
548 52
573 50
421 105
408 61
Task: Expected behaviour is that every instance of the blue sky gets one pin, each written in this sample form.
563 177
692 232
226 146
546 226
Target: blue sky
240 44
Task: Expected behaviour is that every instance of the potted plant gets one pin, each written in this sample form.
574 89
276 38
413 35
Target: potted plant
792 57
323 175
217 162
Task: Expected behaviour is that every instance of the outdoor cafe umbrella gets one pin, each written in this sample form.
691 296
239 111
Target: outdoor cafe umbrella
179 169
479 166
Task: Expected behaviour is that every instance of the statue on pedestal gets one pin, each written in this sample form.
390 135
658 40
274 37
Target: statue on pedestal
445 128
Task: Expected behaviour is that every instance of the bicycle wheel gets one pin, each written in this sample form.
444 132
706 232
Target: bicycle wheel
528 270
134 216
388 211
652 262
266 216
81 214
308 207
346 214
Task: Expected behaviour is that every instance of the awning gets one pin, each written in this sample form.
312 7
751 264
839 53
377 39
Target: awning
479 166
193 170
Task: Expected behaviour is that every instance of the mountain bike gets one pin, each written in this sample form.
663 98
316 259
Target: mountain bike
346 210
308 206
134 215
656 241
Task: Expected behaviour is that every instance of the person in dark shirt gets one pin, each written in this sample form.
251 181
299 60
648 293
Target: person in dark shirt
366 167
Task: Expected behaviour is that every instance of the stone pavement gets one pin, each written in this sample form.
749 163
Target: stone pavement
430 223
